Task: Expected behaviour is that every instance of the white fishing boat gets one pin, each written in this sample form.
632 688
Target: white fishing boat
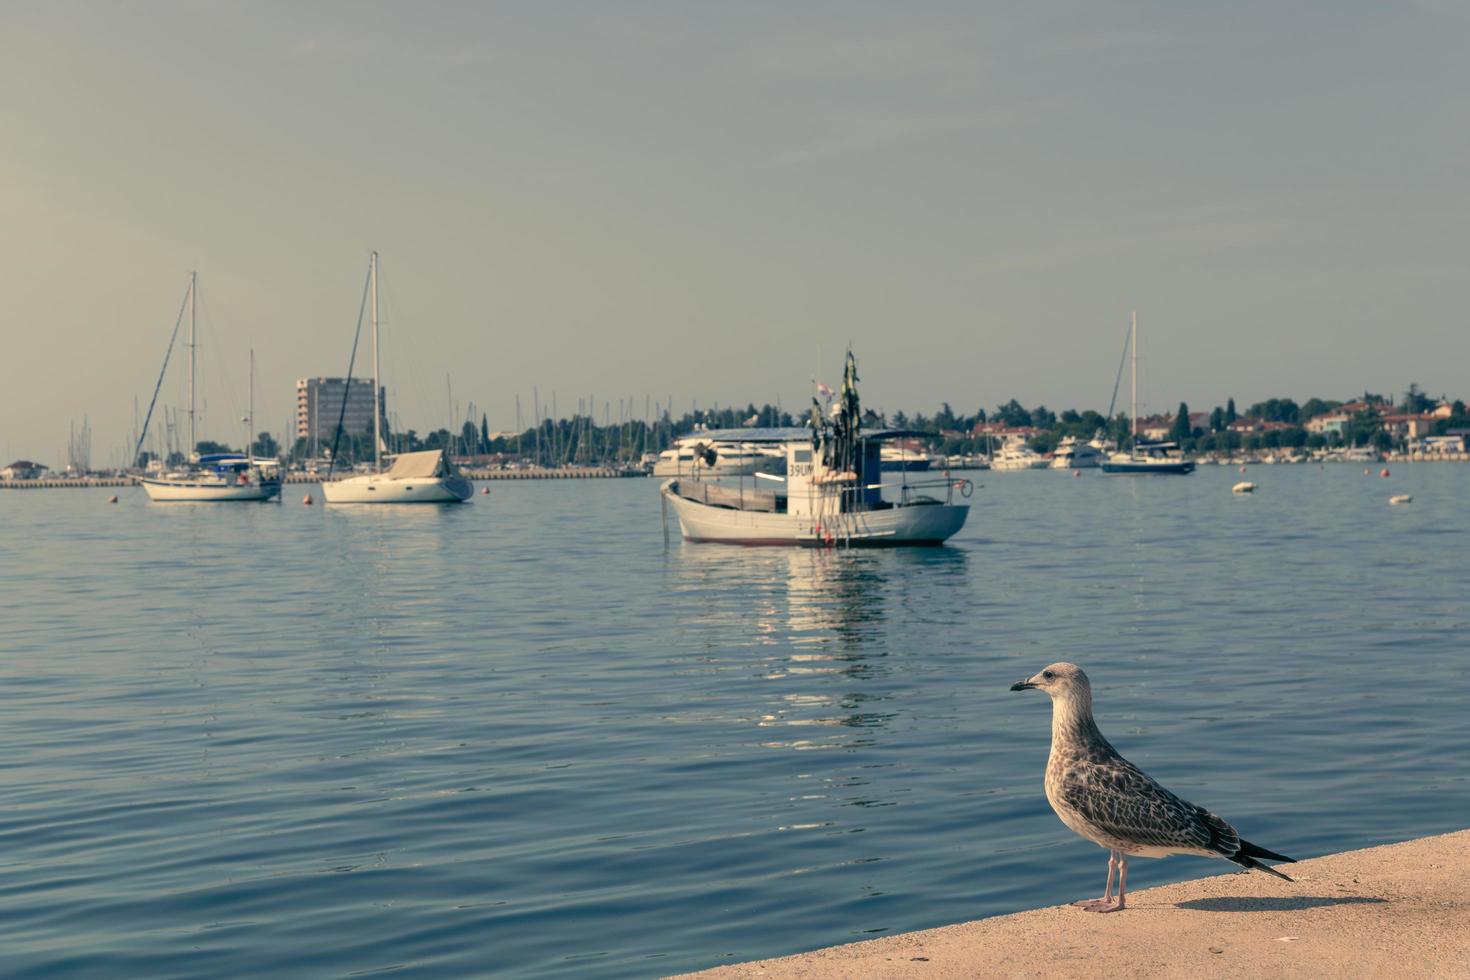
426 477
1145 459
216 476
831 496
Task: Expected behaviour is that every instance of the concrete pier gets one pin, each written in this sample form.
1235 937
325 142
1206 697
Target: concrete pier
1401 910
80 483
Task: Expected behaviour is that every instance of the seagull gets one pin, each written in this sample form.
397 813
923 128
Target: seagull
1110 801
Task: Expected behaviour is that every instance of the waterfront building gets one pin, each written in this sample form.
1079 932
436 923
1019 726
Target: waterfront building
1328 423
319 404
1445 445
1156 428
22 469
1246 424
1000 434
1408 426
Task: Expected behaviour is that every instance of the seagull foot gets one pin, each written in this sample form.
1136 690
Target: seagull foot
1105 906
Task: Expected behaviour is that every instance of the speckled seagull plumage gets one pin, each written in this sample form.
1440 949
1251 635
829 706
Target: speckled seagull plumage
1110 801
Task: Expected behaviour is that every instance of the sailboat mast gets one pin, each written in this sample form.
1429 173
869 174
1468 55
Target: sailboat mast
1133 418
250 427
377 412
193 304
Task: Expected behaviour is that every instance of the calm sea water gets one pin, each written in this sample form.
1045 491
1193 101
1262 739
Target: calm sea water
522 738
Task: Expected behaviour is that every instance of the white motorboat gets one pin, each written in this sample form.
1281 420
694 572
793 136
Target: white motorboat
1018 456
1072 454
831 495
215 476
700 455
426 477
900 458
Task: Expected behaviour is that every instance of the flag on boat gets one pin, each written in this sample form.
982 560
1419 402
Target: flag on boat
824 391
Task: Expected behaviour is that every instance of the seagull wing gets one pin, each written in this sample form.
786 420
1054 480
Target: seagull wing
1123 802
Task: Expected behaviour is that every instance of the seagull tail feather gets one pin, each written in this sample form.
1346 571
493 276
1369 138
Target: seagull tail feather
1248 854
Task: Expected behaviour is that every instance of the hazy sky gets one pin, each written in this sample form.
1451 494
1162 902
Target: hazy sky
698 200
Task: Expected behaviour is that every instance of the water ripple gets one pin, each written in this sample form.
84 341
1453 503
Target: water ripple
522 738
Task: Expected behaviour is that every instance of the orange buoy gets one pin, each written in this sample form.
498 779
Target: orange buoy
1383 472
306 500
112 499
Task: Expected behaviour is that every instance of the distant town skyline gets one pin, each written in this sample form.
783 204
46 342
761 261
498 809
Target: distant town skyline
641 202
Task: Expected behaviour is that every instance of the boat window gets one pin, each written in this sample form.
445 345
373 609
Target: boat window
801 456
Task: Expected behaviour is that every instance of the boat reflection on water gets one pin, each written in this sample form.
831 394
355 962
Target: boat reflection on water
823 630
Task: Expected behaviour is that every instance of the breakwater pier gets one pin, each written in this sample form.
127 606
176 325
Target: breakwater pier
528 473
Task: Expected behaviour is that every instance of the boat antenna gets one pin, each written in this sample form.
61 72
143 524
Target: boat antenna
342 412
143 434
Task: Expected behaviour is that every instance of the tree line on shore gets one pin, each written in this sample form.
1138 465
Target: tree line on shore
581 440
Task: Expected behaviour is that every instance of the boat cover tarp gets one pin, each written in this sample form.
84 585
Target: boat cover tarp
418 466
733 498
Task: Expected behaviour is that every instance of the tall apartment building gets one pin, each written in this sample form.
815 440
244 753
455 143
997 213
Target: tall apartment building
319 402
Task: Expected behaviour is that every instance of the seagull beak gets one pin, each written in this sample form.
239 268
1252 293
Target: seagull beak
1023 686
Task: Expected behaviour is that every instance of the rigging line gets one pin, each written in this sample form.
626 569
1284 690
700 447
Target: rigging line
410 388
1122 361
161 373
211 336
342 413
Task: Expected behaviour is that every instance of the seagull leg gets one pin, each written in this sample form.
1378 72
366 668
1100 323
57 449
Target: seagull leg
1092 904
1116 906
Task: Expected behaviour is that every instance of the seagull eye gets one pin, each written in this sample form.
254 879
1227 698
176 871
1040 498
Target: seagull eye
1048 675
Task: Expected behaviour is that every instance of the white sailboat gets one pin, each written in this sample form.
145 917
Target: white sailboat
217 476
414 478
1144 459
831 495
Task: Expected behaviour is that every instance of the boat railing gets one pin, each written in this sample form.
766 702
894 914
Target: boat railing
919 491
